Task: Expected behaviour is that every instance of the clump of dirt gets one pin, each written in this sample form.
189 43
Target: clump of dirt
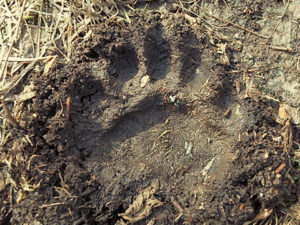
103 137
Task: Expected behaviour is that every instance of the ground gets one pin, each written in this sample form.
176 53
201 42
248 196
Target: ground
156 122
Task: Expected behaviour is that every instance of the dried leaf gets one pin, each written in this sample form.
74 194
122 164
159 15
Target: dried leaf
189 148
27 93
49 64
286 133
222 50
208 166
285 119
250 90
143 205
190 19
263 214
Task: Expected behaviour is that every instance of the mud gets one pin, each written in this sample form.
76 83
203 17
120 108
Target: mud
117 138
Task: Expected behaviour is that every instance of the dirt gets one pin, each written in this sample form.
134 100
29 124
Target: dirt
100 138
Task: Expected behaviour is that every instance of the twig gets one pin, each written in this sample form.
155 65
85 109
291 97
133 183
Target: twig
235 25
68 105
284 49
279 168
52 204
275 28
176 204
27 60
225 21
39 31
270 98
227 113
29 161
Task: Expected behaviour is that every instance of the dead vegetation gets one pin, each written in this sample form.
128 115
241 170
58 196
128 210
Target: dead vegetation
36 34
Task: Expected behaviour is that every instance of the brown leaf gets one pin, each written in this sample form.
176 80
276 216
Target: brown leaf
143 204
49 64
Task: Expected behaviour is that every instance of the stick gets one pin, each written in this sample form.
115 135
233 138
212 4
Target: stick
279 168
51 204
284 49
27 60
177 205
284 12
225 21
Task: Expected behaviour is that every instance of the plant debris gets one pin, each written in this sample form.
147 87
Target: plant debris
143 205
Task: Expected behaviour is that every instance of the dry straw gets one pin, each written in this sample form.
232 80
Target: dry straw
33 35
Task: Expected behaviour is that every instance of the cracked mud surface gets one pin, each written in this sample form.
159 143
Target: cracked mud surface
120 137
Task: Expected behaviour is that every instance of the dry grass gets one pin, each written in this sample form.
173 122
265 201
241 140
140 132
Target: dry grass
35 32
33 35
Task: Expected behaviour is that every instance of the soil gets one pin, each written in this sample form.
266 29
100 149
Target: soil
101 138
